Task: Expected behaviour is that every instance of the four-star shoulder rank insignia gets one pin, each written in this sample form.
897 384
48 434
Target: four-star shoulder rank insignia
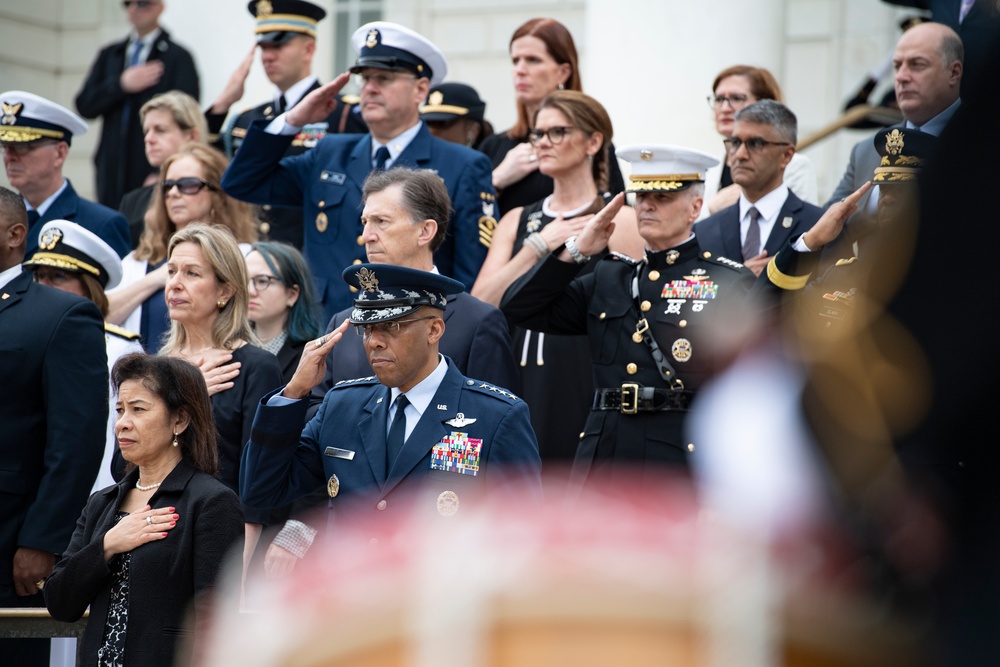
459 421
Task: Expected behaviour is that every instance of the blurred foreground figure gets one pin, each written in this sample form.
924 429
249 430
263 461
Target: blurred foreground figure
616 581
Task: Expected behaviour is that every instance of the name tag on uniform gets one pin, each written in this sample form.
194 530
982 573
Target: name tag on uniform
332 177
337 453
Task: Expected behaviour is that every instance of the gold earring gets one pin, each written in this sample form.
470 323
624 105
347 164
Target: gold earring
221 304
175 439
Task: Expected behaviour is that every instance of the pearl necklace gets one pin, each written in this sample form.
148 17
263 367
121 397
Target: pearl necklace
146 488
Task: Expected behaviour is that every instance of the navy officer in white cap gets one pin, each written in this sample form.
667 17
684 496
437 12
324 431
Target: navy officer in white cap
76 260
417 426
35 136
653 324
395 67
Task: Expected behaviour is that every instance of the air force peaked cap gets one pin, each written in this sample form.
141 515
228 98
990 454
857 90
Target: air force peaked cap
385 45
388 292
29 117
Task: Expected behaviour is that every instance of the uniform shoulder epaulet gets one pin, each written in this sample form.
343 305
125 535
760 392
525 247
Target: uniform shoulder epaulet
350 99
491 390
371 379
116 330
725 261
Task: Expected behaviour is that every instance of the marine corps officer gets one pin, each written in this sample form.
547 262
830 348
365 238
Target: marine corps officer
286 35
396 68
652 324
418 423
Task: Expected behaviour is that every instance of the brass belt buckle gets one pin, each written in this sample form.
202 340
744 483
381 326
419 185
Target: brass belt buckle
630 398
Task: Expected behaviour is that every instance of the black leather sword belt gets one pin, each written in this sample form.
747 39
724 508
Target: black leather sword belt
632 398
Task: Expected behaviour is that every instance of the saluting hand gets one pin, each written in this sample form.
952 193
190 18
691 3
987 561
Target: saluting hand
596 233
829 226
233 92
318 104
312 363
138 528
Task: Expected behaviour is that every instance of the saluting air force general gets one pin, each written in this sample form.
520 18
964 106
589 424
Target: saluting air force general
417 425
395 69
652 324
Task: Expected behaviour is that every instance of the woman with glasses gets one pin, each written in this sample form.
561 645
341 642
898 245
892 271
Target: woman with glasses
283 308
543 58
734 88
169 121
188 192
572 138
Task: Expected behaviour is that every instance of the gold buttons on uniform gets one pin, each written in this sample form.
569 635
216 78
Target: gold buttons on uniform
381 505
361 240
631 369
682 323
322 203
265 228
602 316
645 306
690 447
266 207
706 255
357 261
581 435
654 275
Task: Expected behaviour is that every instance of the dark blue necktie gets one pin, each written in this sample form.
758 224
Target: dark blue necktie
397 433
132 62
33 217
381 157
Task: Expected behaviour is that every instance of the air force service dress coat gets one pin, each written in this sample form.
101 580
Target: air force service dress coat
683 297
719 234
53 412
326 182
447 453
121 155
110 225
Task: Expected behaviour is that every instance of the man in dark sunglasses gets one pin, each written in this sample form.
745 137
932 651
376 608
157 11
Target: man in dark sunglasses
285 31
126 75
768 213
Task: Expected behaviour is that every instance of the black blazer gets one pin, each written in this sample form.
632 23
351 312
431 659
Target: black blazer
719 234
121 155
165 576
53 416
288 358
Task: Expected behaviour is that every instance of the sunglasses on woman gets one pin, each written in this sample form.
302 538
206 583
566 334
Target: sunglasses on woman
186 186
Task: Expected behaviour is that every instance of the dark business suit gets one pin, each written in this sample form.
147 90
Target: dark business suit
347 438
103 221
719 234
326 182
281 223
120 161
165 576
54 412
134 206
860 168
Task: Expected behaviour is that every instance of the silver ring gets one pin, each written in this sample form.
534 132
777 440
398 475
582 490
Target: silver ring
532 157
149 521
321 341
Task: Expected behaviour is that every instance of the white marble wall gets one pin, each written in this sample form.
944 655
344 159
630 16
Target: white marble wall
650 63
